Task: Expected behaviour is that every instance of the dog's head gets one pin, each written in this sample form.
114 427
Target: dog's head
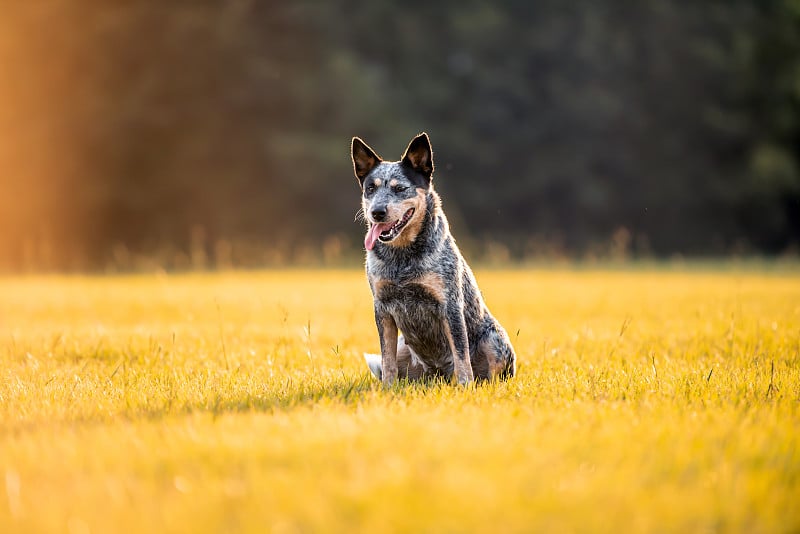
394 193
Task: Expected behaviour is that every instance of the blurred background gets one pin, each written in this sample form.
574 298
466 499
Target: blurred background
216 134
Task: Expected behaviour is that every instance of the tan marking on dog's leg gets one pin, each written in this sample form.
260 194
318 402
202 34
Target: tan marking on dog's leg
388 350
461 364
494 363
413 227
433 284
495 355
480 368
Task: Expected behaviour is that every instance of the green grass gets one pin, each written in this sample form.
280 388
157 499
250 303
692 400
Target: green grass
645 402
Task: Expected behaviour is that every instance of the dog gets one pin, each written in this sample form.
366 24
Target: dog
421 284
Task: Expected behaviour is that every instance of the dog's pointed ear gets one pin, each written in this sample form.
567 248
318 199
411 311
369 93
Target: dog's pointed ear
419 155
364 159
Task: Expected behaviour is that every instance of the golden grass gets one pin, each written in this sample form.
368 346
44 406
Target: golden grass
239 402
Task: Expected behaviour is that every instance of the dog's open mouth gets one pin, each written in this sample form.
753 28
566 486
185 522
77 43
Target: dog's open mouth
393 231
386 232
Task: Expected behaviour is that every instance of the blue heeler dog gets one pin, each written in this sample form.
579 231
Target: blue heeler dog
420 283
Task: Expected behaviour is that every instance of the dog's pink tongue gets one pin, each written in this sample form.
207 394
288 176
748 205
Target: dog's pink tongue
373 233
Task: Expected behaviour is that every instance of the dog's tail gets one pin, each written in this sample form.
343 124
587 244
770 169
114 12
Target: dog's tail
374 364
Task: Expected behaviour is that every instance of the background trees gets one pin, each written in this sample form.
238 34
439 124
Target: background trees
154 124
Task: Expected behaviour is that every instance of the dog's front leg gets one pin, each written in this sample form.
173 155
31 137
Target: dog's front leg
459 346
387 330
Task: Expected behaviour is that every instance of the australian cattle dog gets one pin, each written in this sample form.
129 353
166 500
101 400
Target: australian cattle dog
420 283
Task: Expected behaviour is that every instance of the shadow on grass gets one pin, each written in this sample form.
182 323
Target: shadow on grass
277 396
273 397
342 390
293 393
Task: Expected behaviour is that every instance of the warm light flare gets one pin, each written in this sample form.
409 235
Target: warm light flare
40 140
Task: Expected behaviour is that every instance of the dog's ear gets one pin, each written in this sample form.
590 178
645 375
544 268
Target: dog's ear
364 159
420 156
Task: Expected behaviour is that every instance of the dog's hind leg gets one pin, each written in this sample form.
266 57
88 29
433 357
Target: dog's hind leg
494 356
409 365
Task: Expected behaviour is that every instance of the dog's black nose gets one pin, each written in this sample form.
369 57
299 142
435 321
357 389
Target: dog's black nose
378 214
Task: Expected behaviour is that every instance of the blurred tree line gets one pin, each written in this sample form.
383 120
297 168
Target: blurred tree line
125 127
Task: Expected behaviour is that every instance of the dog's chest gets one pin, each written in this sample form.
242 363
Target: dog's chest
417 305
424 291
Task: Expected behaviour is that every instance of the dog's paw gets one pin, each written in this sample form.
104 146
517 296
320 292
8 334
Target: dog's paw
466 384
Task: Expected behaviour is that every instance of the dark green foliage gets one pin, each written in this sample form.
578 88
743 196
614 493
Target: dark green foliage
550 121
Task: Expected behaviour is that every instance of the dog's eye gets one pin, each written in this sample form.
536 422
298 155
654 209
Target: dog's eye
399 188
369 189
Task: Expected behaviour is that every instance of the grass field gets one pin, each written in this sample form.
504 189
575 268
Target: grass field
646 401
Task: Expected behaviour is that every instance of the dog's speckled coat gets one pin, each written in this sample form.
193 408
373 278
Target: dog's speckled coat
420 282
